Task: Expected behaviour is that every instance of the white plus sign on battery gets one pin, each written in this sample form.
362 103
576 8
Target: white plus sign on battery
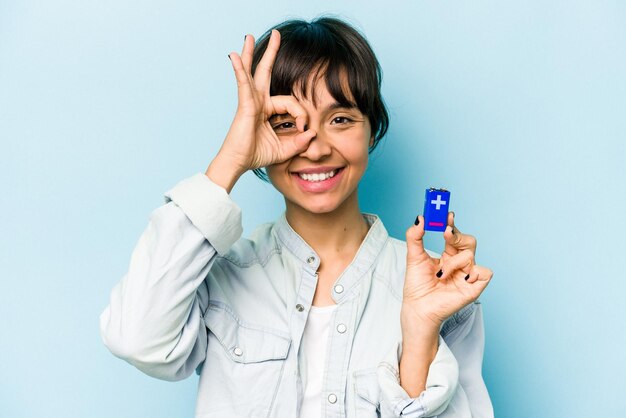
438 202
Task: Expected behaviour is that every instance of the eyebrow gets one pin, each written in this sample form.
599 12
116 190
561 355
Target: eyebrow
337 105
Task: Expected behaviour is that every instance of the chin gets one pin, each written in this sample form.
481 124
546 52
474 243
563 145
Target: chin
310 205
318 209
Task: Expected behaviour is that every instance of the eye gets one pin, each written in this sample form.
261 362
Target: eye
284 125
341 120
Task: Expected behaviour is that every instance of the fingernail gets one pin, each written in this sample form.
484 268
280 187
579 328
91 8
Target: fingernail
417 220
306 127
244 37
439 273
452 229
229 57
466 277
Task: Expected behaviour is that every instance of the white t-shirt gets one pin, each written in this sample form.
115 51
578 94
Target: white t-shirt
313 354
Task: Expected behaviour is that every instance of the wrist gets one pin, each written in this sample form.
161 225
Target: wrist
222 173
419 349
411 317
419 336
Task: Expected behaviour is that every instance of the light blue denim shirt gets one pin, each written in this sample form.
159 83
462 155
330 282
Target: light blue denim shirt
199 297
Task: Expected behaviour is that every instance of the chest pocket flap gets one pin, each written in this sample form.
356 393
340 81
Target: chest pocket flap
244 342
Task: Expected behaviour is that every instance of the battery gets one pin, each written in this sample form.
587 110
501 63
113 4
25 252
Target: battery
436 208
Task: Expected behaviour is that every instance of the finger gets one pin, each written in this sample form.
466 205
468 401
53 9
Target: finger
244 88
462 261
280 105
448 235
478 280
247 52
483 274
295 145
473 275
263 71
414 243
451 218
457 241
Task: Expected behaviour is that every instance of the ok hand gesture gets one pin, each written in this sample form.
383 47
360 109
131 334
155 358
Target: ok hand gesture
251 141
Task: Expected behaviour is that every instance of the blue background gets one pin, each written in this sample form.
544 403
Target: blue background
517 107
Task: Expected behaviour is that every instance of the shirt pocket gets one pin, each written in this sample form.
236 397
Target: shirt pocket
367 393
245 342
243 366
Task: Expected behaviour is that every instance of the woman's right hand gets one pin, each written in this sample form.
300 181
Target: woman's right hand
251 141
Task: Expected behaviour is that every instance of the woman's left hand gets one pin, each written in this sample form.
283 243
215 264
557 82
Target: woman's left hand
436 288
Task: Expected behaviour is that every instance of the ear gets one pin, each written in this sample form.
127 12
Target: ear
371 141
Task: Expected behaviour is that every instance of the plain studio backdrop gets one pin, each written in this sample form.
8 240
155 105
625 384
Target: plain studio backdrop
517 107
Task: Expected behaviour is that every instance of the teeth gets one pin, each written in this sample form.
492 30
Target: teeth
317 176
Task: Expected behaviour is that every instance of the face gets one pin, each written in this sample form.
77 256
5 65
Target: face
326 175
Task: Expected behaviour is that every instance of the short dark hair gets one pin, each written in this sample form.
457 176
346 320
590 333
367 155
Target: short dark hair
327 46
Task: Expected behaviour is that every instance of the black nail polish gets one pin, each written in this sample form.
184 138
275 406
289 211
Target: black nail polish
453 233
229 57
440 273
306 127
417 220
244 37
466 277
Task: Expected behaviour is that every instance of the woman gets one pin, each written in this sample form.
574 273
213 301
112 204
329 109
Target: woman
320 313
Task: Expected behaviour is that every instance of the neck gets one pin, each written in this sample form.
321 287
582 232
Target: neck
337 233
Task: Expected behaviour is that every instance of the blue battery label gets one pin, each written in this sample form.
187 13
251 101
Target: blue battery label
436 207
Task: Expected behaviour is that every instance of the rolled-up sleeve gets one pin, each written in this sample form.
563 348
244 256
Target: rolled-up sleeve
210 209
154 317
441 384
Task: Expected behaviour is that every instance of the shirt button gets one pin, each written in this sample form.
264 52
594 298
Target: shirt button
339 288
332 398
310 260
238 351
299 307
342 328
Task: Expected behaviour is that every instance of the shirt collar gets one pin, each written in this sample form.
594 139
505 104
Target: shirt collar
362 262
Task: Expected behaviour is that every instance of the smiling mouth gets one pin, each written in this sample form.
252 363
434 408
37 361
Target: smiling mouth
317 177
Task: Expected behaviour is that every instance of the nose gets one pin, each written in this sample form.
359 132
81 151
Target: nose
319 147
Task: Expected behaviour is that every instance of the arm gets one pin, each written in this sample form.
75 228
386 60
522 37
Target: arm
435 289
154 318
420 343
454 387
